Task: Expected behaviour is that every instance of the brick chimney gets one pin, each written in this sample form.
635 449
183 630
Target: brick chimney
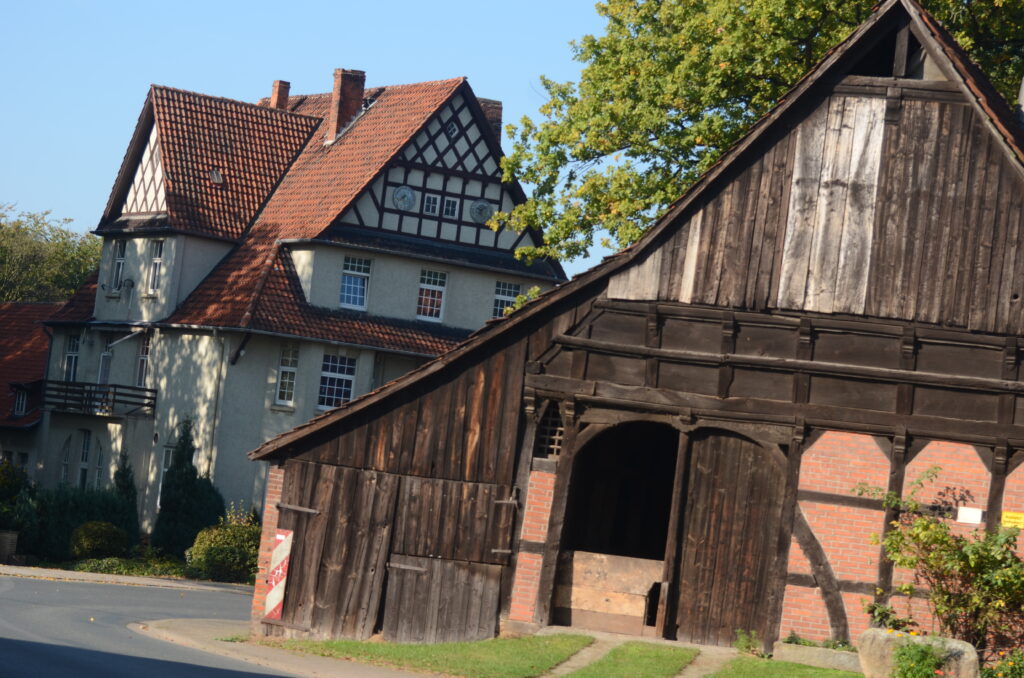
346 101
279 95
492 111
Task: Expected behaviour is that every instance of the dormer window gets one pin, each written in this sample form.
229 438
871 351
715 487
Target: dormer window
355 279
20 403
117 266
156 263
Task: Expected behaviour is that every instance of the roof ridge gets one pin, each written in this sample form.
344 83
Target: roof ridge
226 100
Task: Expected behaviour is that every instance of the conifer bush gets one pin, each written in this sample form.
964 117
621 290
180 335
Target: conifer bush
188 502
124 486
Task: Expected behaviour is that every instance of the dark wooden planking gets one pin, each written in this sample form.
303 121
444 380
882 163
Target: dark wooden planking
432 600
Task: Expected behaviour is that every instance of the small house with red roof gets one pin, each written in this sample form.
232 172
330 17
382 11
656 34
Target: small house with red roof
265 262
24 345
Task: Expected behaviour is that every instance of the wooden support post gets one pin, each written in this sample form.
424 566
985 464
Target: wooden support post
522 481
669 593
725 371
652 340
899 65
1000 466
804 351
908 361
546 588
897 472
780 565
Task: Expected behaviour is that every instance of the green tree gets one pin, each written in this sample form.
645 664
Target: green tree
40 258
188 502
671 85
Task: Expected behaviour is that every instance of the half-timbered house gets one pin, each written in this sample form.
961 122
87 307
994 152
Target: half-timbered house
263 262
668 443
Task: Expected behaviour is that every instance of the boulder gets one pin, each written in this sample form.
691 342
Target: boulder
876 646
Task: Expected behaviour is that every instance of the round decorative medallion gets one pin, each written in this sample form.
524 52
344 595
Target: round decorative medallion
480 211
403 198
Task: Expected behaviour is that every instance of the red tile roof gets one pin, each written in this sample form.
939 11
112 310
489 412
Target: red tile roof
79 308
23 350
250 145
320 185
282 308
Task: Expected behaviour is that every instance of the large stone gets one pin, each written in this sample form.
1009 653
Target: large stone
822 657
876 647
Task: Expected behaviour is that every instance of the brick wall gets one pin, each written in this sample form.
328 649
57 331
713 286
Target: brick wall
536 515
1013 499
275 482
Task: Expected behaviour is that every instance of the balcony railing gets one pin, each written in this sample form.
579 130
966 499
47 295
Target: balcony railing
105 399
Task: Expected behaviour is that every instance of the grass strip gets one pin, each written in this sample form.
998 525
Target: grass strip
135 567
637 659
496 658
751 667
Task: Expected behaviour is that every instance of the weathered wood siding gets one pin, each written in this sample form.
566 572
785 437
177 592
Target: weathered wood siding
892 203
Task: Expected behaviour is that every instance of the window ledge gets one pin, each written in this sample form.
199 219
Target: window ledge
148 295
114 295
287 409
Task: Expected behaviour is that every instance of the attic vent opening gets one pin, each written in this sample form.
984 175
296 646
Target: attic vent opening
216 177
369 101
550 433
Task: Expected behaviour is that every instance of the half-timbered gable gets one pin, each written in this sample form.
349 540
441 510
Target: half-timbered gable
444 184
147 194
668 443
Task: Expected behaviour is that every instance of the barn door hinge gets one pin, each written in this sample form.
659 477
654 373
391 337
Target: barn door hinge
512 499
411 568
300 509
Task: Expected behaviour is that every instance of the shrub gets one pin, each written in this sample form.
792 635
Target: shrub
98 539
188 502
225 553
13 485
974 584
51 516
747 642
917 660
1006 665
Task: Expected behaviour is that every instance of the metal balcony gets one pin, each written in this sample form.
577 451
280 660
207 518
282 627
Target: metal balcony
80 397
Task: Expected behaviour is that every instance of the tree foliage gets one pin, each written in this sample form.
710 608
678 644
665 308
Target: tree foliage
671 85
188 502
40 258
124 486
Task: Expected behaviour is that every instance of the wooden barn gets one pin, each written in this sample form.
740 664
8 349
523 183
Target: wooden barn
667 444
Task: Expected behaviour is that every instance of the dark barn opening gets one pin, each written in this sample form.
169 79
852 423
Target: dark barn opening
616 526
621 492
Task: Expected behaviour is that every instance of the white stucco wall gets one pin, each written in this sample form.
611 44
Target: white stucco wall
394 285
186 261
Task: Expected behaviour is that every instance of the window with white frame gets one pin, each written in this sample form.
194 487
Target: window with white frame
505 294
165 464
451 208
142 362
287 367
65 464
156 264
71 346
355 279
83 469
336 381
20 402
430 203
430 303
117 266
103 374
98 480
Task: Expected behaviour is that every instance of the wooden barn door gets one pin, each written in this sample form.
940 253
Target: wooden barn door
342 520
734 502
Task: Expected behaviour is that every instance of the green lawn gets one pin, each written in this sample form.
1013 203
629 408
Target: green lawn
497 658
639 660
750 667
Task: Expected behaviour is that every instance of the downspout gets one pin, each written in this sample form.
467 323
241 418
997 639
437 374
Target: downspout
218 394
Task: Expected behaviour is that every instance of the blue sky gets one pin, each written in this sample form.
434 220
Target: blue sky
75 74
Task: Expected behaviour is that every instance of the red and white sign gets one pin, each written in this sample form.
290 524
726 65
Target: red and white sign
277 576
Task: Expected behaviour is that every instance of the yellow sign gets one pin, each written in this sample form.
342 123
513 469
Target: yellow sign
1013 519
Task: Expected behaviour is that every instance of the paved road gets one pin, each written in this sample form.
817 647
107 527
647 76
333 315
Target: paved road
59 628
